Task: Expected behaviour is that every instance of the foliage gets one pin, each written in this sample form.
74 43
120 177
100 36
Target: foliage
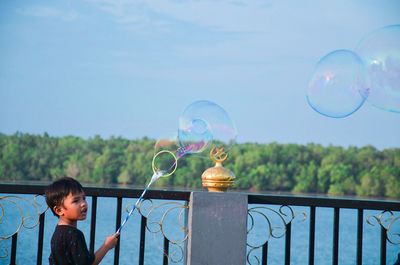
308 168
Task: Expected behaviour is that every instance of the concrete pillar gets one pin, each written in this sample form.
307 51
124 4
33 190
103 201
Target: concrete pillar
217 224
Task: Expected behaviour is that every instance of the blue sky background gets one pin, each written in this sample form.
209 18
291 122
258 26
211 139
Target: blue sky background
129 68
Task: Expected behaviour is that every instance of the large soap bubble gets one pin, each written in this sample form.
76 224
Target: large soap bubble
380 52
339 84
169 149
204 125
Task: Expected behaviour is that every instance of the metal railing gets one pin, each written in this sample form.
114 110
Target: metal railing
94 193
255 203
336 204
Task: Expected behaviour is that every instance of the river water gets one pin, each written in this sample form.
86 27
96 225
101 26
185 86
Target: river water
129 250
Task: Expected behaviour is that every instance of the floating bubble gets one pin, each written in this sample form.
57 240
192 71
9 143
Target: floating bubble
203 125
169 149
195 136
339 84
165 156
380 52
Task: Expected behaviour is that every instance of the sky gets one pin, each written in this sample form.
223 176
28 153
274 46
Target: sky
129 67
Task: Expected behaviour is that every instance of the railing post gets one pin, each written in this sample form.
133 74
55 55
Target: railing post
40 239
288 236
383 245
335 254
217 225
13 249
143 223
311 247
264 257
93 223
360 221
166 251
117 225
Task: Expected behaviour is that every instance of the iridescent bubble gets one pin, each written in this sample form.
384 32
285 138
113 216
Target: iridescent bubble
203 125
339 84
169 149
380 52
194 136
165 154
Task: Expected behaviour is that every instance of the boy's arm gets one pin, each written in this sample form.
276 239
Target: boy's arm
109 243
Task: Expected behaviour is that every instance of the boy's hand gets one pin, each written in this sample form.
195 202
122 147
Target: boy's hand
111 241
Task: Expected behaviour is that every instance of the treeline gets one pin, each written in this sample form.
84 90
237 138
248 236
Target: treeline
307 168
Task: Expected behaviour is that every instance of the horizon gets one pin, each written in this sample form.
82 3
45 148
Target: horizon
239 143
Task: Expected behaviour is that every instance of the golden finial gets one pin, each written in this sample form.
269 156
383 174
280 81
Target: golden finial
218 155
218 178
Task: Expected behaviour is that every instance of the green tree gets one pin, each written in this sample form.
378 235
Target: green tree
308 179
371 184
336 170
342 182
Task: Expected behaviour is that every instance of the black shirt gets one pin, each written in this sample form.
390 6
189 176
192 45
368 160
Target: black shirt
68 247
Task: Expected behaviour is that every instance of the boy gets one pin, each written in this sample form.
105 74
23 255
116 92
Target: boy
66 199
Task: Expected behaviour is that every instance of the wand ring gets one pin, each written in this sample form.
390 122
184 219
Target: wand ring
174 166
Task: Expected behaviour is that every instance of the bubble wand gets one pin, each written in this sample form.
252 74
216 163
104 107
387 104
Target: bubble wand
200 131
156 175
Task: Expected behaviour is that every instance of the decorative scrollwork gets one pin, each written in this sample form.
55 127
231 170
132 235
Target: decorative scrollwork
147 209
388 218
276 225
16 223
218 155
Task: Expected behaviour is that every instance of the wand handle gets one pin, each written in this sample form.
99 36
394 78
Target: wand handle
155 176
133 209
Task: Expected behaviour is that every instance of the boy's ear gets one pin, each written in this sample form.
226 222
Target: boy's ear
58 210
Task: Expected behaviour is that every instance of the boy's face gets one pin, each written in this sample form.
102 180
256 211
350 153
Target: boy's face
74 208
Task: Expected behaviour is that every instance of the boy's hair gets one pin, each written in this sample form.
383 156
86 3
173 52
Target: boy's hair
59 190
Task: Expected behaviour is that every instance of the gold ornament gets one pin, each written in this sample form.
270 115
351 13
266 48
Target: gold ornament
218 178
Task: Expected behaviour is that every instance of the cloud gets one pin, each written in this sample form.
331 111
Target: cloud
234 16
218 15
47 12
